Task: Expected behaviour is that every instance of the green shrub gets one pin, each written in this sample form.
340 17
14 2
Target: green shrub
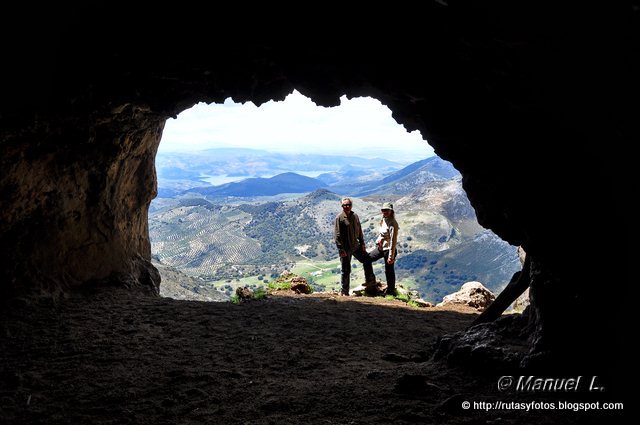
279 285
259 294
414 304
403 297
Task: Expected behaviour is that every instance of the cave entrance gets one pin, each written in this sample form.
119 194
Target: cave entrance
246 192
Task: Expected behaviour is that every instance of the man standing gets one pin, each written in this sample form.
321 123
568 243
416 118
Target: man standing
350 242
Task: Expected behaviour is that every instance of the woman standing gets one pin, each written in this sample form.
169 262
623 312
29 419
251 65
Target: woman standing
386 245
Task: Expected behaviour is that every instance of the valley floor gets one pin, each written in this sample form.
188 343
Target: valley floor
127 358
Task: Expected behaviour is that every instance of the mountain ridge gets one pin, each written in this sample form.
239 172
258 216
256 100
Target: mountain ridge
288 182
400 182
404 181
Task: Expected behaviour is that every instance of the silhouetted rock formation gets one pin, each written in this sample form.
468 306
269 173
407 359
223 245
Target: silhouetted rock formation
523 100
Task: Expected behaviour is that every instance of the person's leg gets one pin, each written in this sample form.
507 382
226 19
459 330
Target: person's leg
390 274
375 254
364 258
345 278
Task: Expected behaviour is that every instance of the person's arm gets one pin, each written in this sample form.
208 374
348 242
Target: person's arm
361 236
394 242
337 236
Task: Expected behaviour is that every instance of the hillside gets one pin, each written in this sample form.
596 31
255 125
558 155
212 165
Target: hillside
485 258
281 227
179 286
198 239
441 244
445 245
438 215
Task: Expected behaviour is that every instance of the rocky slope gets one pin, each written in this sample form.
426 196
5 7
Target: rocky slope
180 286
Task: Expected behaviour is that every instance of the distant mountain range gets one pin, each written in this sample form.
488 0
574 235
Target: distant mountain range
181 171
359 179
282 183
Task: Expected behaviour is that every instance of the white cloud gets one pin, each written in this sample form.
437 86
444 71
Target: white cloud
361 126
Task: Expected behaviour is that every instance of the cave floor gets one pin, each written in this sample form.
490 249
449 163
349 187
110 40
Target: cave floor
122 357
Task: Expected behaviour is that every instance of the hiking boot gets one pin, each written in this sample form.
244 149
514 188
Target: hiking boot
370 284
371 291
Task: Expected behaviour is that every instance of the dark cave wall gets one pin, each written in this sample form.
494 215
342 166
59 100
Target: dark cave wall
521 99
76 200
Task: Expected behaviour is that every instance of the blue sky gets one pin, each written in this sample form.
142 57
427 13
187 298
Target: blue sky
359 126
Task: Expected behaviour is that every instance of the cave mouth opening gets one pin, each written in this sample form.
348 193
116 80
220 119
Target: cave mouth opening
246 193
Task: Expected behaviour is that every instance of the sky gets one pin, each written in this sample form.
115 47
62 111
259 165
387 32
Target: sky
359 126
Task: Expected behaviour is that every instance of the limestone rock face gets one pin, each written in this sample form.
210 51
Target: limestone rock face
522 302
473 294
76 201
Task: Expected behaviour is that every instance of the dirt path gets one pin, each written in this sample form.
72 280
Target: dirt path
123 358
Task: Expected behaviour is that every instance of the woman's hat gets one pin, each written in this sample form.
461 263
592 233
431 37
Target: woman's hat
387 206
